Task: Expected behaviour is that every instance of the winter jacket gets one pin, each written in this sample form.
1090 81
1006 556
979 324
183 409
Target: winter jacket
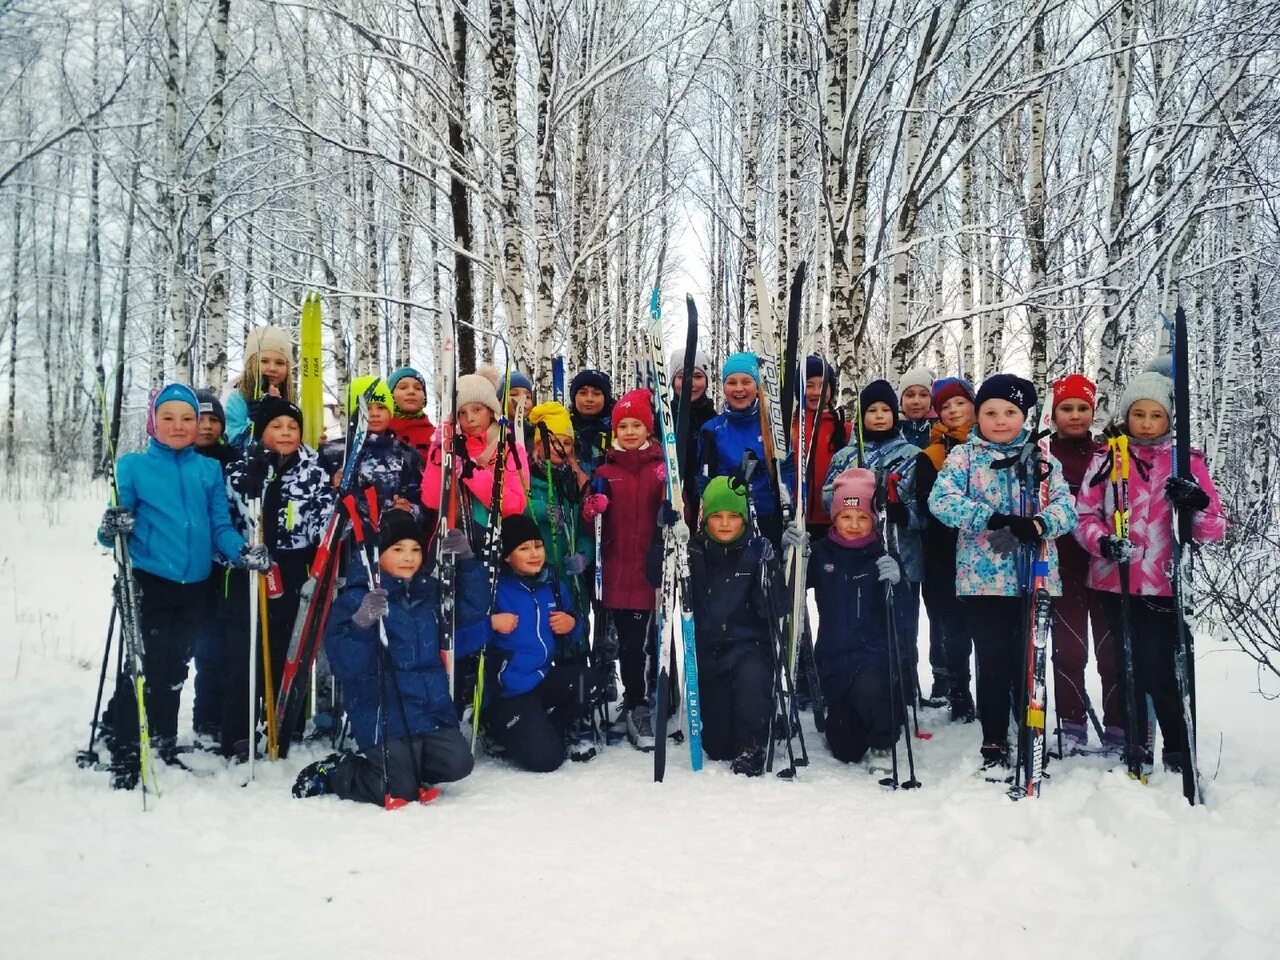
917 432
521 659
853 631
221 453
394 469
414 432
236 410
591 438
1150 518
1075 457
637 485
831 436
570 535
477 481
721 444
180 512
413 641
939 540
296 501
971 488
730 611
891 454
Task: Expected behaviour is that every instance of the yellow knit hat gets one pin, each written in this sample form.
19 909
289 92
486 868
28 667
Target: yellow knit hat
553 417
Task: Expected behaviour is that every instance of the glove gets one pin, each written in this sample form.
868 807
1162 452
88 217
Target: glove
593 506
575 565
1024 528
1003 542
680 532
116 520
254 556
793 538
372 609
896 511
1185 493
890 572
759 550
455 541
254 471
667 515
1116 549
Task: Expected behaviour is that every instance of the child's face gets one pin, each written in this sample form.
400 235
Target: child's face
474 419
725 526
1073 418
1000 421
956 412
379 418
402 559
527 559
631 433
282 435
740 391
523 397
853 523
589 400
699 383
814 392
176 424
408 395
878 416
210 430
1147 420
273 365
916 403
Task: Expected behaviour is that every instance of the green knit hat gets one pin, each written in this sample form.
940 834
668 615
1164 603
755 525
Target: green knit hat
720 495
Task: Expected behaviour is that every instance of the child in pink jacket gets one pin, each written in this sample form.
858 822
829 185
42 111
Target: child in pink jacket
1145 410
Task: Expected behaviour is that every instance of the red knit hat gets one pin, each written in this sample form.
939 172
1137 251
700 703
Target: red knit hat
1075 386
634 405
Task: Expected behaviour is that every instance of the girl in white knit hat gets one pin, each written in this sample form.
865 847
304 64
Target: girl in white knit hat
268 371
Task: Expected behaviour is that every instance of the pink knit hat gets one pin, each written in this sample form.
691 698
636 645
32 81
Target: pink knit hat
855 489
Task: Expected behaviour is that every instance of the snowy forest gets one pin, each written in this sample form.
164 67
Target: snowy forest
974 186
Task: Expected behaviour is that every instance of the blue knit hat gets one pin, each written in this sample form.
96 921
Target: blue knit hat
401 373
741 363
518 380
590 378
171 391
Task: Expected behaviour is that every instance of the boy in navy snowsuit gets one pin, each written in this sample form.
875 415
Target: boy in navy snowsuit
403 608
735 628
848 571
535 701
173 511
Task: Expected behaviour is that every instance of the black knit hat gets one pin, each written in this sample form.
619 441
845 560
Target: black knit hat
879 391
1007 386
397 525
815 366
211 406
270 407
591 378
517 529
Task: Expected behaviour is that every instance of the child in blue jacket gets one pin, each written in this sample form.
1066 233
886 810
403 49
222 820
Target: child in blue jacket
848 571
536 702
172 510
410 684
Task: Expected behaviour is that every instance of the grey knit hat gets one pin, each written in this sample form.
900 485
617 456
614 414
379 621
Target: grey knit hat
1148 385
916 377
677 363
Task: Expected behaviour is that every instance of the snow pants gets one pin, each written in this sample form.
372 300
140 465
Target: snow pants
531 727
168 614
1153 630
861 718
636 660
443 756
1078 610
950 637
210 648
736 688
999 640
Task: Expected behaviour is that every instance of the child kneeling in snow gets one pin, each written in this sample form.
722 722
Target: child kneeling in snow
537 701
384 646
852 576
735 624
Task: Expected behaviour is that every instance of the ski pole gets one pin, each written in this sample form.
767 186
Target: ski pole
88 757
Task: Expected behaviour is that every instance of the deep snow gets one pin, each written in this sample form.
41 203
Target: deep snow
596 860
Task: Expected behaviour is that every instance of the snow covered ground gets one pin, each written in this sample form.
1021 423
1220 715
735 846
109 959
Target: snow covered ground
596 860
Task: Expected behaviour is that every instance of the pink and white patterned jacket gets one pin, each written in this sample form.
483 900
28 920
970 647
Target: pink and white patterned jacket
1150 519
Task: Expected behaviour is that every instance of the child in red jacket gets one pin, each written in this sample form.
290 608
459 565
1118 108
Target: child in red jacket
632 487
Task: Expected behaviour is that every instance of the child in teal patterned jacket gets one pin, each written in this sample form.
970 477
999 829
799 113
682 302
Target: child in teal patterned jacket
979 491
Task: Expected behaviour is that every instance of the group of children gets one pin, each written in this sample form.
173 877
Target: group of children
924 496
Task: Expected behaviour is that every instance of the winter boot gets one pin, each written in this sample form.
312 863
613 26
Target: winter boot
962 710
313 780
749 763
580 742
995 757
1075 738
125 769
640 728
939 694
